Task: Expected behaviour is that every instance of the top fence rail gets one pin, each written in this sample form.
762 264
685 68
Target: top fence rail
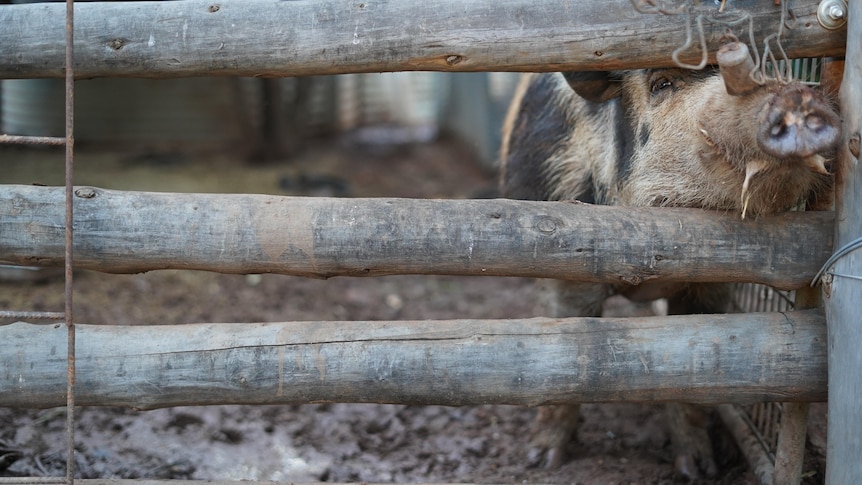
290 38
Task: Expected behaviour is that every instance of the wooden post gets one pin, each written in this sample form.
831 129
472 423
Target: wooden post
790 449
843 289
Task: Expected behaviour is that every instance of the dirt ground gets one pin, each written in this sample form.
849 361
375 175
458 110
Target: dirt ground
616 443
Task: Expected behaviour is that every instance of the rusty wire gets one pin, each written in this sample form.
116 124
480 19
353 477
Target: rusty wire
654 7
788 20
70 325
760 74
32 480
32 315
702 37
32 140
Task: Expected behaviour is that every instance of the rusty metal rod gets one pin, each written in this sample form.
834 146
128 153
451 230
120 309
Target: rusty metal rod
31 480
70 144
32 140
32 315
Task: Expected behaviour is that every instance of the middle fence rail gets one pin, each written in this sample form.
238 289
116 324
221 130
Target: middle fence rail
131 232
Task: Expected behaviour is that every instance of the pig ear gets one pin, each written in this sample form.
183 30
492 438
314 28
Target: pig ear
595 86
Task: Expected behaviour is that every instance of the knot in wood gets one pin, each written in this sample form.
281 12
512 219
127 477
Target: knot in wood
85 192
117 44
547 225
453 59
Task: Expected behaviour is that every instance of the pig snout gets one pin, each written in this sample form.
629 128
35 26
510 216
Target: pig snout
797 122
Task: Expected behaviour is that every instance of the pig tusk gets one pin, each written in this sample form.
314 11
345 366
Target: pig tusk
816 163
705 134
751 169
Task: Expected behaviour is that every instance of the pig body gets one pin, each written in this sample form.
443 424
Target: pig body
663 138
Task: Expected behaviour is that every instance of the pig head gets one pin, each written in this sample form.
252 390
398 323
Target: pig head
669 137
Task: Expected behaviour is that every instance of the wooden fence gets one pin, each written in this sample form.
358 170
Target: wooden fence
780 355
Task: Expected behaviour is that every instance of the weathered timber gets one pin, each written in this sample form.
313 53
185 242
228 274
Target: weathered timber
278 38
843 289
790 449
129 232
738 358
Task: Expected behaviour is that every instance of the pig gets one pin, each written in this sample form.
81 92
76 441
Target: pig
664 138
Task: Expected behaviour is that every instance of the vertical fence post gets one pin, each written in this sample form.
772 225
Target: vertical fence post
843 294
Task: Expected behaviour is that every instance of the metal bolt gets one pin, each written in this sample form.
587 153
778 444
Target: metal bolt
832 14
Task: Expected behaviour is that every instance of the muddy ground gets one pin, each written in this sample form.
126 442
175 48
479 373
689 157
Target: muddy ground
616 443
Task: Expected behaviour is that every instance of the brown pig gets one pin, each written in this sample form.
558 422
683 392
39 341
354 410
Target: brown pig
664 138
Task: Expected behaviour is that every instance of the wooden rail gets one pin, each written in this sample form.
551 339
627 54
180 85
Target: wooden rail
130 232
279 38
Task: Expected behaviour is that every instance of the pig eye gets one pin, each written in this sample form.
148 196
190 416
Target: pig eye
660 84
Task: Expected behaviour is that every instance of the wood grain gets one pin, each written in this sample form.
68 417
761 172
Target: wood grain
131 232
